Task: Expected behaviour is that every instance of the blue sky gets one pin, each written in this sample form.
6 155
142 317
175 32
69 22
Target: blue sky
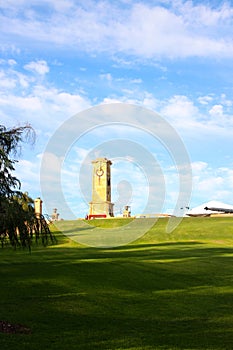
61 57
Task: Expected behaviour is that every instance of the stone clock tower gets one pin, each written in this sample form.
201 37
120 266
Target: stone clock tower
101 188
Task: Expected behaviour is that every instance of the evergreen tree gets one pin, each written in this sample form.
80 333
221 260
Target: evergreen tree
18 222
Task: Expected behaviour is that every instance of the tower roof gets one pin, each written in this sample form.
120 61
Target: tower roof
102 160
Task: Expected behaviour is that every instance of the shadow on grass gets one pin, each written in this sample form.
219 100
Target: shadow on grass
174 295
68 230
88 332
168 250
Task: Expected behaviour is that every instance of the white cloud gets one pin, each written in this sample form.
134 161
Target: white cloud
183 30
216 111
23 80
211 183
220 116
136 81
141 98
29 103
225 101
198 167
204 15
6 82
106 76
187 117
21 94
181 111
71 103
41 67
12 62
205 100
11 78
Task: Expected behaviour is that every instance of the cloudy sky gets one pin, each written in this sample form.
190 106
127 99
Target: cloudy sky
62 57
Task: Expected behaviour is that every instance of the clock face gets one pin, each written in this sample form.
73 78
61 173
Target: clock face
99 172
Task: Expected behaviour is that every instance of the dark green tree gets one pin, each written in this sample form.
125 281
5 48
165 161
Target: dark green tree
18 222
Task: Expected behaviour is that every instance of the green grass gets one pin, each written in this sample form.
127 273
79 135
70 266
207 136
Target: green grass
164 291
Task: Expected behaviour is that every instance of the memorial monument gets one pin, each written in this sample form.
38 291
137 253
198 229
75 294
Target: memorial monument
101 205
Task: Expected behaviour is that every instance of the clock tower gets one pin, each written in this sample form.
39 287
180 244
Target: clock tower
101 188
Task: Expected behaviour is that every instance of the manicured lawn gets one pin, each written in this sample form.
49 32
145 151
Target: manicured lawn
164 291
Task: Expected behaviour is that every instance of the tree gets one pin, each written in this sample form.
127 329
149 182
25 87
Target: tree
10 144
18 222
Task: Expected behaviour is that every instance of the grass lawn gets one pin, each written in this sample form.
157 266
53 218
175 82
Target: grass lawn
164 291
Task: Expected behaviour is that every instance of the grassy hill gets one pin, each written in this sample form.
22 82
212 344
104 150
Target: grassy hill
206 229
162 291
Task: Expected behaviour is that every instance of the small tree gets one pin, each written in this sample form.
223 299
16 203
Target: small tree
18 222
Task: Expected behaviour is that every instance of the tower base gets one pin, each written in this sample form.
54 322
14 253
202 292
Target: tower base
101 208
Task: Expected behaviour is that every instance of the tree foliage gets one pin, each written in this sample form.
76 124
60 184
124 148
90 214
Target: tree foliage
18 221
